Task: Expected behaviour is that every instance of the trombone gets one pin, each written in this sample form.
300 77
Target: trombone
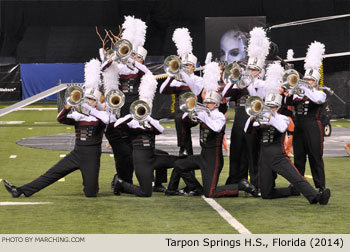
140 110
115 99
256 108
235 74
188 103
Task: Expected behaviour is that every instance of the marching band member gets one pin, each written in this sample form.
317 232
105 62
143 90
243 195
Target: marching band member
142 133
87 150
271 127
308 134
187 81
210 161
243 147
130 74
289 112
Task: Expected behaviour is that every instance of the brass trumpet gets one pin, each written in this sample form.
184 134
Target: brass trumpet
74 95
115 99
256 108
140 110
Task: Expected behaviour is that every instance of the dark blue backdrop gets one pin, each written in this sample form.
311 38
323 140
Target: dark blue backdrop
37 78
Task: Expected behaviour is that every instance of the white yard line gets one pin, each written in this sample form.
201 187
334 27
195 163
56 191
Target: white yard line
227 216
7 203
39 109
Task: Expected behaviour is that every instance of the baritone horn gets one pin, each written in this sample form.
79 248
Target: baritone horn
232 73
290 78
123 49
255 107
235 74
74 95
115 99
188 103
140 110
173 66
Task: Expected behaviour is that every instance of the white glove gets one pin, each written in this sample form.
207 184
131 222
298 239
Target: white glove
87 107
148 119
121 120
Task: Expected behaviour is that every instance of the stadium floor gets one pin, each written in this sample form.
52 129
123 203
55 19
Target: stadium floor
333 145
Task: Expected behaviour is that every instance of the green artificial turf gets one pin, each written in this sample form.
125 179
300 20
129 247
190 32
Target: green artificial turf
71 212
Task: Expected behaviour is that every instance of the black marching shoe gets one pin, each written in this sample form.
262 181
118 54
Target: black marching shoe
13 190
113 181
169 192
323 196
118 185
246 186
195 192
159 188
184 190
182 152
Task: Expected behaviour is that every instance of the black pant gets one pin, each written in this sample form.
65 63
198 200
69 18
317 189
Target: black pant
161 175
308 141
210 162
243 151
122 150
145 162
183 132
85 158
273 160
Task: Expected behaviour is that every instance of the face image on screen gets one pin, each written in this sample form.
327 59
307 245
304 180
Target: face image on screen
227 37
233 46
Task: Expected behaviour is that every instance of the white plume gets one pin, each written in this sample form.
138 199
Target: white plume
134 30
290 54
140 33
111 77
211 76
259 44
92 74
208 58
274 76
314 56
148 87
183 41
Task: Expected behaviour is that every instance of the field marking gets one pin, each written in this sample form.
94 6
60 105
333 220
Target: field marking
8 203
11 122
0 179
227 216
13 156
62 155
308 176
39 109
46 123
62 180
